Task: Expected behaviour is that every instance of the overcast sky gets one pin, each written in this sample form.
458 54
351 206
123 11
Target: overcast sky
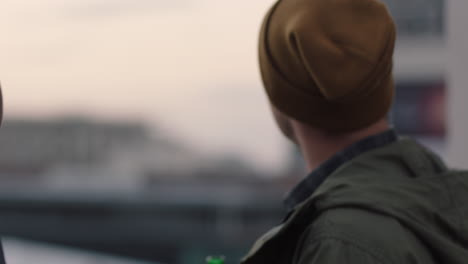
188 66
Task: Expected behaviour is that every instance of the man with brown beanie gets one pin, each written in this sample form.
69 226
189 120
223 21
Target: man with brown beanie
372 197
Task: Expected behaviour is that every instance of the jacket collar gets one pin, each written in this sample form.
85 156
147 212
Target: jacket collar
310 184
277 246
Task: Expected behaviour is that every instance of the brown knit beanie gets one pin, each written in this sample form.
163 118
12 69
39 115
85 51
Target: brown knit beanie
328 63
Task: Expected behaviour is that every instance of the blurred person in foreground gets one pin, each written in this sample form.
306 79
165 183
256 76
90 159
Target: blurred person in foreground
372 196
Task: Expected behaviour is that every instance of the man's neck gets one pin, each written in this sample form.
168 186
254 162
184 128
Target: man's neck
317 146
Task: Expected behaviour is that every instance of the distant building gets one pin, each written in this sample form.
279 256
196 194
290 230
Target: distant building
65 141
30 151
78 154
418 17
420 70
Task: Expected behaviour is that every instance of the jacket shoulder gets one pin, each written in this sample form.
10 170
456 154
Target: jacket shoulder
377 235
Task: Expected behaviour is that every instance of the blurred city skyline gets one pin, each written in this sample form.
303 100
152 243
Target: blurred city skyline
171 64
187 68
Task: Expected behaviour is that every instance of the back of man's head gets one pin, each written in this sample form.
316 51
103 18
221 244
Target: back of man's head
328 63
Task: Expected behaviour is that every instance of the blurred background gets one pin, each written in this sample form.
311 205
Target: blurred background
139 128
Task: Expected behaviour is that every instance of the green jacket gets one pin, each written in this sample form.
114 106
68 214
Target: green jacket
398 204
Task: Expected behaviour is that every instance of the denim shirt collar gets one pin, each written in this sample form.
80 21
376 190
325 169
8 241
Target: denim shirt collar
308 185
